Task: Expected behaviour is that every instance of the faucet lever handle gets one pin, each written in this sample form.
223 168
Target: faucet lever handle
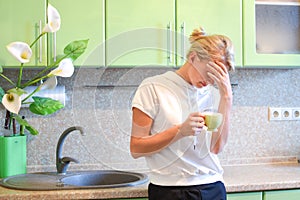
69 159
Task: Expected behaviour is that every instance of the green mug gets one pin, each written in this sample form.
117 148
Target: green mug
213 120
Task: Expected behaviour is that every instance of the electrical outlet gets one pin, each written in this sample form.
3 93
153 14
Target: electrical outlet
286 114
296 113
274 114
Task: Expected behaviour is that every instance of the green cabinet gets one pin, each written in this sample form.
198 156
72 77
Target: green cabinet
139 32
245 196
282 195
266 195
133 33
22 21
271 33
215 16
157 32
80 20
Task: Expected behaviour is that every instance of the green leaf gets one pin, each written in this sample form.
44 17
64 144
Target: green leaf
75 49
44 105
24 123
32 130
2 93
1 69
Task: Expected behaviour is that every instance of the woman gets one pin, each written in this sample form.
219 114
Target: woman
167 115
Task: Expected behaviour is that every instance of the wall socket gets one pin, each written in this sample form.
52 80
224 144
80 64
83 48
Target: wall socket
283 113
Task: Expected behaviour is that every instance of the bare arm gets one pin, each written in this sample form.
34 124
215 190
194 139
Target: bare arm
142 143
220 75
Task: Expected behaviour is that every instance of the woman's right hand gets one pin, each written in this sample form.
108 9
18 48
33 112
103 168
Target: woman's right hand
194 123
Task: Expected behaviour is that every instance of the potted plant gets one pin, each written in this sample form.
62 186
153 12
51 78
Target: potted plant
13 142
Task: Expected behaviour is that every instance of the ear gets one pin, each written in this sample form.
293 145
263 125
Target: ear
192 57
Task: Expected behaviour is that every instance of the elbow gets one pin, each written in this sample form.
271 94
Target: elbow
217 148
134 153
218 145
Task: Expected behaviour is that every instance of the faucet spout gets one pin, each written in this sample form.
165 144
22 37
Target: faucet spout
62 163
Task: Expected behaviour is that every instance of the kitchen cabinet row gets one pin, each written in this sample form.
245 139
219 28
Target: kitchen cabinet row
137 33
266 195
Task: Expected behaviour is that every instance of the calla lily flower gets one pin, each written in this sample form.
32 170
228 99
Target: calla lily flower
53 20
20 50
50 83
64 69
12 102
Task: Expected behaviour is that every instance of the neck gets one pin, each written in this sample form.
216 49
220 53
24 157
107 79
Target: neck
183 72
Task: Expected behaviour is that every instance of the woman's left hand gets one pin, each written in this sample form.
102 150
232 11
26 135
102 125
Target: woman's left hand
218 72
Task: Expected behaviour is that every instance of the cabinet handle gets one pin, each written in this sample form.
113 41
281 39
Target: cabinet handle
54 46
40 43
182 30
169 42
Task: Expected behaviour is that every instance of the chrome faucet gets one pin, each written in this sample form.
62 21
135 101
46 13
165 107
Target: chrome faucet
62 163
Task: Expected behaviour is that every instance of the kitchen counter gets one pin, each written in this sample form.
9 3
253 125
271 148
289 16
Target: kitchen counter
239 178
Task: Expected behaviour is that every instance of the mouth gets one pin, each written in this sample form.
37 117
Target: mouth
201 84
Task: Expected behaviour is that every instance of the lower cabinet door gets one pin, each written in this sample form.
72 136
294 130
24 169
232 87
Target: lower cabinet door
282 195
245 196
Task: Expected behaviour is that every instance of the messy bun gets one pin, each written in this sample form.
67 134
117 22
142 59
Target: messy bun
197 34
212 47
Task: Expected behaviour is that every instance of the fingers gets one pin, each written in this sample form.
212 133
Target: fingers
196 122
212 76
218 69
197 119
197 114
219 73
196 125
193 124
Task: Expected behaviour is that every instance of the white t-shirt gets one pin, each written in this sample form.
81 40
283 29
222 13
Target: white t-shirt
168 100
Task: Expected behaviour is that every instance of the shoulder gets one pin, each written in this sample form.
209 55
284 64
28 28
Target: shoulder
158 79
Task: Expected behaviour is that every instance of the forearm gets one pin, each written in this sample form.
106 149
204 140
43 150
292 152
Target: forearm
148 145
219 138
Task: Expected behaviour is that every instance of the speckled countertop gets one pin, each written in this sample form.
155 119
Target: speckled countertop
237 179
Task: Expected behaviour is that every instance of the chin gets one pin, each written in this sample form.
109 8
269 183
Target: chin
199 86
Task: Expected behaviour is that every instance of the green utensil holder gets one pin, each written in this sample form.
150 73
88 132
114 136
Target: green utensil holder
12 156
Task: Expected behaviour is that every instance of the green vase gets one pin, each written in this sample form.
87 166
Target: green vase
12 156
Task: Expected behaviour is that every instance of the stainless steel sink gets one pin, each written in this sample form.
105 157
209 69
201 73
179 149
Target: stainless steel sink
105 179
74 180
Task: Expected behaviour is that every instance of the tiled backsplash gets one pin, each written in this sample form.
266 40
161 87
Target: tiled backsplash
99 101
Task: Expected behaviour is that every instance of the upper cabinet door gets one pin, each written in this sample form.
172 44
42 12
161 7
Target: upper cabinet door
140 33
22 21
271 33
215 16
80 20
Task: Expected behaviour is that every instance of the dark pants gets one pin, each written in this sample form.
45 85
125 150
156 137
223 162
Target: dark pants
212 191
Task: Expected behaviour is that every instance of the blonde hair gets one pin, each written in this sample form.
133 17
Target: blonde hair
212 47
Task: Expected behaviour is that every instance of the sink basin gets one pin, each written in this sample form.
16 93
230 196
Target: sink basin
74 180
105 179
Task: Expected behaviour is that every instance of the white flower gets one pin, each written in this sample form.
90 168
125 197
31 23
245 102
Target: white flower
20 50
53 20
64 69
50 83
12 102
